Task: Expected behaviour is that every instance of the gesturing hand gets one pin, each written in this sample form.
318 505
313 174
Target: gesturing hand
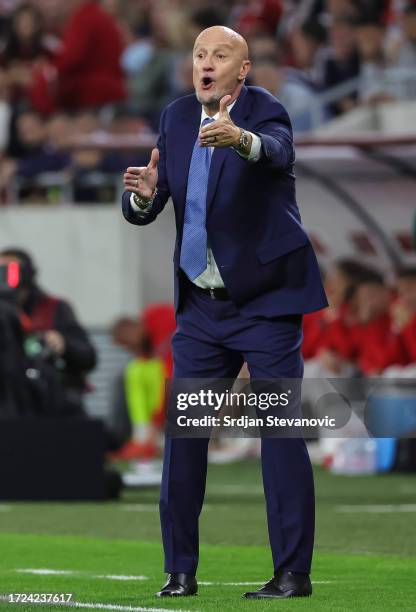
223 132
142 180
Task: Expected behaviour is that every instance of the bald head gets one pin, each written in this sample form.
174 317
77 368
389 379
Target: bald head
227 35
220 66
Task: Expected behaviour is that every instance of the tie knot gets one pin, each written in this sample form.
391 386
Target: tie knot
207 120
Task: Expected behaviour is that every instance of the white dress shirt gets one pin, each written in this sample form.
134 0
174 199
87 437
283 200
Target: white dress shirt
210 278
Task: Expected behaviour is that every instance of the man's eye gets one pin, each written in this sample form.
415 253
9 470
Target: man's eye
221 55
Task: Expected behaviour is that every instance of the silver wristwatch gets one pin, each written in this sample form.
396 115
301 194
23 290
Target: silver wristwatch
143 203
244 140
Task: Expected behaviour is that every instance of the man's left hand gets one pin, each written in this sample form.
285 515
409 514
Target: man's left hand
223 132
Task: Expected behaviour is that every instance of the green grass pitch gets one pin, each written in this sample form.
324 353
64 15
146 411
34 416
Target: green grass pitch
110 553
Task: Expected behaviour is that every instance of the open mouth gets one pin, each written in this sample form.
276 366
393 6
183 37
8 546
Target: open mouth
207 83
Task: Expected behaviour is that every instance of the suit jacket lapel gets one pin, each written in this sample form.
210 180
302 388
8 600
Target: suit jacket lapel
238 113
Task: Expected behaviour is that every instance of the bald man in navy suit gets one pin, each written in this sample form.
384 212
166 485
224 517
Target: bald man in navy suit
245 273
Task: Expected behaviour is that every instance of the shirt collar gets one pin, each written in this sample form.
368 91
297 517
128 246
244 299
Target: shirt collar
215 117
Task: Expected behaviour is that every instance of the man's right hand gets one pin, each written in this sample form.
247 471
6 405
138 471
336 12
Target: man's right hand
143 180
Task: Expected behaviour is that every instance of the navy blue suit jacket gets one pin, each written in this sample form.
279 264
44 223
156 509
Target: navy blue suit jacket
254 227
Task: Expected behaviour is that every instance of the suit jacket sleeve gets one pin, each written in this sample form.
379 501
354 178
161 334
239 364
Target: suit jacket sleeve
275 132
144 218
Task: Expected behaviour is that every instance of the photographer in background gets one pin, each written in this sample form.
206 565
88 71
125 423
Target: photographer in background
52 333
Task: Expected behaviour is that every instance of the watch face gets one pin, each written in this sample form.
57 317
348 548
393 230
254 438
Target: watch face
244 139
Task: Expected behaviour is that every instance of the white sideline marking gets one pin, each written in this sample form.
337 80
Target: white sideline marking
377 508
51 572
99 606
96 606
120 577
46 572
155 509
407 488
140 508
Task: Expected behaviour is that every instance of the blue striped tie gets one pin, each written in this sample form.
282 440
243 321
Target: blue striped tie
193 260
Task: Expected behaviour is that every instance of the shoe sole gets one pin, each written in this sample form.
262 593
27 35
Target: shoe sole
260 596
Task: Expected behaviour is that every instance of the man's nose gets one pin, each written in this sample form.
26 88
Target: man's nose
207 64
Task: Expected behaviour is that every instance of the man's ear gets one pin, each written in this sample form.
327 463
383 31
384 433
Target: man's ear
244 70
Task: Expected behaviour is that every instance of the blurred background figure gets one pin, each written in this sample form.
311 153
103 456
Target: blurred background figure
324 337
252 18
53 335
24 48
293 92
138 399
404 51
402 350
307 45
372 50
89 73
148 65
342 61
38 147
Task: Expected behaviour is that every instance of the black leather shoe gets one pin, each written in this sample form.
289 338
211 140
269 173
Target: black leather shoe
283 585
179 585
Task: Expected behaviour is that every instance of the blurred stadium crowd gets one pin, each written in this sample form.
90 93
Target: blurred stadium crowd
369 328
84 67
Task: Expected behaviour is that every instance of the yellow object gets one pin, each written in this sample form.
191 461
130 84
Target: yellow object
144 389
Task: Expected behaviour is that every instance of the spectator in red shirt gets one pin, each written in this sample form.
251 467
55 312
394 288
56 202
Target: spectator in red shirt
24 46
372 333
323 330
406 288
257 16
402 351
88 66
89 69
365 334
356 334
